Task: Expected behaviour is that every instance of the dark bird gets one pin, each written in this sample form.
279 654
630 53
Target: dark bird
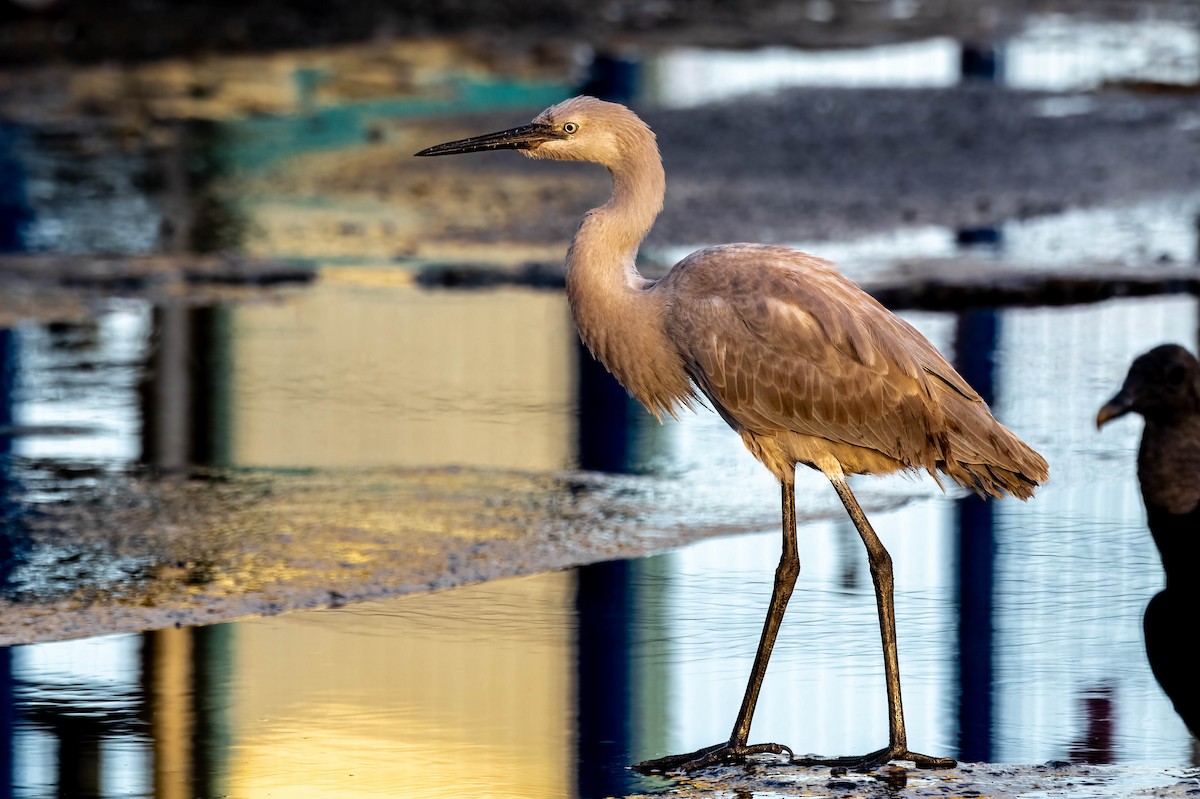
796 358
1163 385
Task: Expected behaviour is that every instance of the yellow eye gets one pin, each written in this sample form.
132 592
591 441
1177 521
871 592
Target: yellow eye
570 127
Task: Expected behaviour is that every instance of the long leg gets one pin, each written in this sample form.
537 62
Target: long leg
737 748
881 575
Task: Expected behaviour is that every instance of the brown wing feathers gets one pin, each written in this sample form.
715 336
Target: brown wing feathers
803 349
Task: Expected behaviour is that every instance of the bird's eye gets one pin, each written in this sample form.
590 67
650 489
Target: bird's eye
570 127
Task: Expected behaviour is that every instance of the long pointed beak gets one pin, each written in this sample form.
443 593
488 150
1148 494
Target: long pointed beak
523 138
1119 405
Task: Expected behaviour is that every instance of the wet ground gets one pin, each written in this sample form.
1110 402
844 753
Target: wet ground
257 359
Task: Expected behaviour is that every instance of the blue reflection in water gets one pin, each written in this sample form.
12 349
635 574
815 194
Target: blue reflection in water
604 606
80 728
658 648
975 348
15 213
14 216
9 546
651 653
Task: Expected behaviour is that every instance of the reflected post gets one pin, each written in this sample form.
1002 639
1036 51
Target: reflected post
185 683
975 348
185 424
605 602
184 397
166 671
8 558
15 214
976 337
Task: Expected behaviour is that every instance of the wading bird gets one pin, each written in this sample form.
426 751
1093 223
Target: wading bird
800 362
1163 385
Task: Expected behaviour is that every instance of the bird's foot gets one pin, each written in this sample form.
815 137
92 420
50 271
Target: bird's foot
709 756
874 760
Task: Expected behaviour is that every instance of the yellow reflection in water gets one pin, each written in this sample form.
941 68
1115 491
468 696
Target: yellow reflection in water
364 372
421 697
171 711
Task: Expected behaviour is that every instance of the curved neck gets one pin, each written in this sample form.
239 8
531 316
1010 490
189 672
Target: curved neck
612 233
601 260
618 319
639 185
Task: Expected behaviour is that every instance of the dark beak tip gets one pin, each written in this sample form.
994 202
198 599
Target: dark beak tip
522 138
1111 410
437 149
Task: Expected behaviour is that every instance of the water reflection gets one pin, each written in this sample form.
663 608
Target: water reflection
1163 230
374 701
1049 53
977 336
548 686
1018 623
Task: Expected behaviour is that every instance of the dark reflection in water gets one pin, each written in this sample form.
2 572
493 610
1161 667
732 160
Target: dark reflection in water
199 218
975 347
14 205
548 686
74 723
8 720
11 537
561 681
132 716
604 604
14 215
1096 743
184 389
606 595
1171 615
186 678
202 712
1169 619
540 687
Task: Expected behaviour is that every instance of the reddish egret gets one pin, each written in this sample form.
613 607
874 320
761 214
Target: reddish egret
1163 385
802 363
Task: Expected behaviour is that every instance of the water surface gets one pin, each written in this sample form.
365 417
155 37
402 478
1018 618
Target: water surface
1019 623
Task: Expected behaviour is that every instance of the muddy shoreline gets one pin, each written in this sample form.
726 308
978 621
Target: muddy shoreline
128 553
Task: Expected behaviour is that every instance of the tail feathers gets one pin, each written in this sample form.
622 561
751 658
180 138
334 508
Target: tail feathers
987 480
985 456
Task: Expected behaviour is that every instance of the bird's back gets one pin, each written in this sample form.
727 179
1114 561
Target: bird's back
805 365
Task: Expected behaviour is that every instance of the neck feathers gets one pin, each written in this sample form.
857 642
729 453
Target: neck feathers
615 309
639 185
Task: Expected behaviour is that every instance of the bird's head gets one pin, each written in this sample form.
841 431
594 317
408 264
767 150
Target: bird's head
1163 383
580 129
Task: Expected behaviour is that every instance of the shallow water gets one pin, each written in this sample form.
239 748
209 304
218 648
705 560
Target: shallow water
1050 52
550 685
1019 623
